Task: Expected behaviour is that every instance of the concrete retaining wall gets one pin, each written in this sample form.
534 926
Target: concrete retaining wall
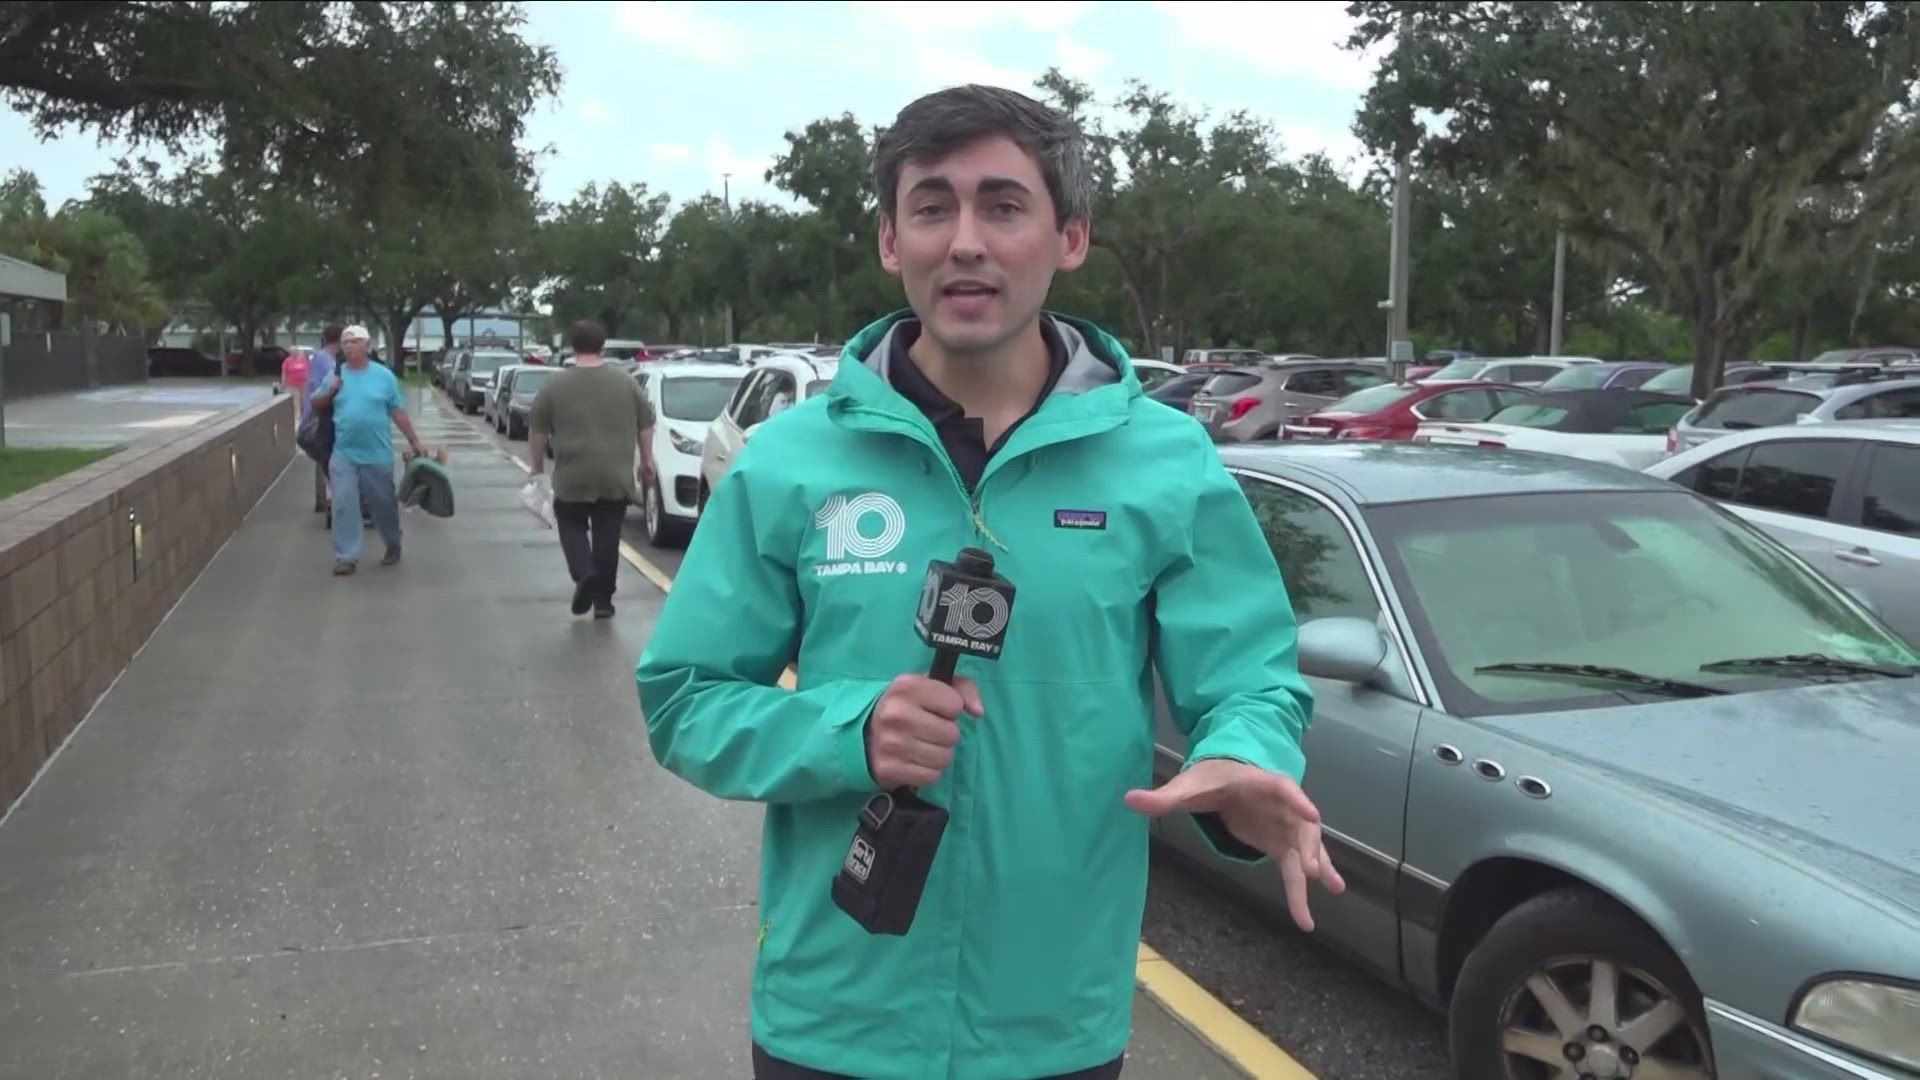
91 562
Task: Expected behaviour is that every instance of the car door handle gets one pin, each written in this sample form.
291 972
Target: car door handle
1858 557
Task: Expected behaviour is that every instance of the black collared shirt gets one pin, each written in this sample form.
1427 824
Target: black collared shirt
963 436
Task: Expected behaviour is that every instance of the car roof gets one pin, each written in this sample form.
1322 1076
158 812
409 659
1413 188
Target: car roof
691 367
1386 472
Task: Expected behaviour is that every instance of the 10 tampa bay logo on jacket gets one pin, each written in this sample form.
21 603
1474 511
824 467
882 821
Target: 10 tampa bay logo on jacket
861 532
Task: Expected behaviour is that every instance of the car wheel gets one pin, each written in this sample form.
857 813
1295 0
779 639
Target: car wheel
661 531
1572 984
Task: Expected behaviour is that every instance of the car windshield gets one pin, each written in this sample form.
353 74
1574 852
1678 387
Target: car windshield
1579 377
1529 414
1677 380
1653 583
1372 399
1737 410
696 398
1459 369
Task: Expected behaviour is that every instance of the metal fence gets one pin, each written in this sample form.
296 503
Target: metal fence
45 363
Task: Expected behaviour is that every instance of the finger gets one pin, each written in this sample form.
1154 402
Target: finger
1296 883
929 756
921 726
932 695
1184 792
1330 878
970 697
1295 800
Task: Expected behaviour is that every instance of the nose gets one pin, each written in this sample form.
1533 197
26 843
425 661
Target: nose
968 245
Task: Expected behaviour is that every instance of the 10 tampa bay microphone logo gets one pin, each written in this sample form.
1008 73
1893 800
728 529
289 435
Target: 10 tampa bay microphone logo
861 532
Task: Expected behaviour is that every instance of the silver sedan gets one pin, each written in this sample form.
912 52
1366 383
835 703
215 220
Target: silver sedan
1614 779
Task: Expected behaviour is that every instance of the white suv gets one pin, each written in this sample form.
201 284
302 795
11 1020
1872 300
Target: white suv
686 397
774 384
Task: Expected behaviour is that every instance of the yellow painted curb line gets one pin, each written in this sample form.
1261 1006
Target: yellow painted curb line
1210 1020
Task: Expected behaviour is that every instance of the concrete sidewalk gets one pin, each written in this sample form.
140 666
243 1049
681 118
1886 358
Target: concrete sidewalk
401 824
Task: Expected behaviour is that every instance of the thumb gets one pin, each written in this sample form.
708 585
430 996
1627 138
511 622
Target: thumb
970 697
1185 791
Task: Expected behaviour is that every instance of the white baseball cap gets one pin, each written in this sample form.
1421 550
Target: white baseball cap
355 333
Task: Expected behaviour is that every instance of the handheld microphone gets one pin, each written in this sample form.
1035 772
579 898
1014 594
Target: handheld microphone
964 608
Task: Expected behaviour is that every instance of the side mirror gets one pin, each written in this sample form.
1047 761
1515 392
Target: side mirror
1343 648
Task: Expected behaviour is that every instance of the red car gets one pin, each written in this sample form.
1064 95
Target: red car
1395 410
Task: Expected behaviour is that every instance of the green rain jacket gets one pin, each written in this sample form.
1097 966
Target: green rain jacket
812 550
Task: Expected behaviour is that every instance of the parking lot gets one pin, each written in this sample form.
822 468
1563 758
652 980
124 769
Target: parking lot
1337 1021
1542 910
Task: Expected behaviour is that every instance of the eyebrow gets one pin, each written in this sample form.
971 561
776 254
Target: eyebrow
992 185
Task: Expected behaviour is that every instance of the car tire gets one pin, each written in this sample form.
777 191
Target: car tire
1558 944
661 530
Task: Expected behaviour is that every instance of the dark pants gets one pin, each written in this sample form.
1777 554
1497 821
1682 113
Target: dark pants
319 486
768 1067
590 537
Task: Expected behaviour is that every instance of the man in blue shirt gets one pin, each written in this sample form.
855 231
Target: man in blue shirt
319 371
366 402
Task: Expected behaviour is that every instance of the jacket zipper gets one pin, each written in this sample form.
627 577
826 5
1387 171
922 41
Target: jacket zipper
972 500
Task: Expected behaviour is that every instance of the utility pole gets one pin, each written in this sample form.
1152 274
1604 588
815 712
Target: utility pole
726 197
1399 346
1554 335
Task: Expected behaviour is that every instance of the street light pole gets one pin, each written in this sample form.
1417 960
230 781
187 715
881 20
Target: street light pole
1399 347
1559 292
726 197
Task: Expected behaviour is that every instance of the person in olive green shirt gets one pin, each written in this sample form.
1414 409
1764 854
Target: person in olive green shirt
591 418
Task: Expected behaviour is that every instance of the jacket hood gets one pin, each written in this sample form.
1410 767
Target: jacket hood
1098 370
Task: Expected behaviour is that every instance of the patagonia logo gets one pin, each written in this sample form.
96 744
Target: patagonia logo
1079 519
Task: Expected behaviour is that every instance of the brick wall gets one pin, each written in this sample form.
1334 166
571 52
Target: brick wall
79 594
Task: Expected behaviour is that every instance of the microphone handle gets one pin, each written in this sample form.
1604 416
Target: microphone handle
942 669
943 661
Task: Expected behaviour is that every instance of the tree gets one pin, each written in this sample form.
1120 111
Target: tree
249 251
1689 133
290 88
108 281
600 249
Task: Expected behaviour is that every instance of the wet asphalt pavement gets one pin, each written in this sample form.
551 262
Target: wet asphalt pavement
1337 1020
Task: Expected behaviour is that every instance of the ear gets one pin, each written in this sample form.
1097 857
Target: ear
889 257
1079 236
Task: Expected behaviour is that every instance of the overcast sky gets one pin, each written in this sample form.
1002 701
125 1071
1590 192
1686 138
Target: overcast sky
678 94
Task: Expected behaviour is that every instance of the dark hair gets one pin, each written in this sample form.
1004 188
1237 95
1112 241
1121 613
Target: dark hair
933 126
588 337
331 335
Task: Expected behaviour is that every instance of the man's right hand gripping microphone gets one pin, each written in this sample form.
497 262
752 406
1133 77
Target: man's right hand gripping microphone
964 608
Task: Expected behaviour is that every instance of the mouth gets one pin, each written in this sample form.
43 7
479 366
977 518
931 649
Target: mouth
966 290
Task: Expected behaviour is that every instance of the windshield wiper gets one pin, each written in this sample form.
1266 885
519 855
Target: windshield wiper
1810 663
1601 673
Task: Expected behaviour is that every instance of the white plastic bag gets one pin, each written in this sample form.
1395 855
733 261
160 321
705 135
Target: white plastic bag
537 497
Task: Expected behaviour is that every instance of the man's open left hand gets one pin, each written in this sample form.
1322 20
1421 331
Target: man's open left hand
1263 809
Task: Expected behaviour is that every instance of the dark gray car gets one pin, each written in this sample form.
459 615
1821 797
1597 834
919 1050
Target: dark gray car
1242 404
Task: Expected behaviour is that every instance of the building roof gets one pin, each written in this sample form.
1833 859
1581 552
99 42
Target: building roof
21 278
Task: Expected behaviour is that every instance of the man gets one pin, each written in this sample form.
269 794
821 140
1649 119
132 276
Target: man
979 419
366 402
592 417
319 373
